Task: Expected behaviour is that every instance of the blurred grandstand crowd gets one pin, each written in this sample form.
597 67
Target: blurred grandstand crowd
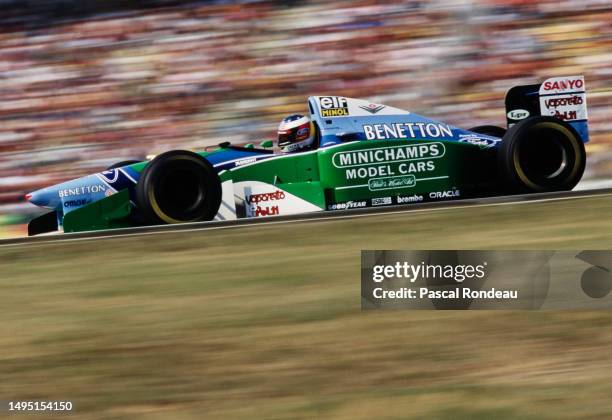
87 84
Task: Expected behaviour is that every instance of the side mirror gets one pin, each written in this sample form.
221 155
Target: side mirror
266 144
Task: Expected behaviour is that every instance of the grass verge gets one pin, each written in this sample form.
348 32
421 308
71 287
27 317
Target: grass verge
265 322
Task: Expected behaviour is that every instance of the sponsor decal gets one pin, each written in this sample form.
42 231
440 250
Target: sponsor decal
393 182
388 170
409 130
245 161
398 160
76 203
292 147
518 114
477 140
409 199
441 195
110 176
563 84
258 198
556 102
372 108
382 201
259 211
117 179
565 107
333 106
347 205
388 155
566 115
262 204
87 189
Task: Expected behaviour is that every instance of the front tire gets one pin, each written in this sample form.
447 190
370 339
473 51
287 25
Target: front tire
541 154
177 187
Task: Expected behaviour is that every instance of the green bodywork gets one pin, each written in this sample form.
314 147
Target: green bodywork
312 176
110 213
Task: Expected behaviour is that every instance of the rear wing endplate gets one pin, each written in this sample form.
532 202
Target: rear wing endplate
560 97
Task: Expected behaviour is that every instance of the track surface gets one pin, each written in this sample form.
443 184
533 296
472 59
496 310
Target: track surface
323 215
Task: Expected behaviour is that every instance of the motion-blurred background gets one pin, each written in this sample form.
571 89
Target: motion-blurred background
266 322
86 84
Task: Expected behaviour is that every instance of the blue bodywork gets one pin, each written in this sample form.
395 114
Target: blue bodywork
404 125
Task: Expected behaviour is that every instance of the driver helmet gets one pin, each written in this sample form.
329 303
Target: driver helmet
295 133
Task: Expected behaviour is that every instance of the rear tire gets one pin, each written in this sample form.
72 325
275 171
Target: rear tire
177 187
541 154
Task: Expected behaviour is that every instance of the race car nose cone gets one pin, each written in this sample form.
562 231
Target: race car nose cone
39 198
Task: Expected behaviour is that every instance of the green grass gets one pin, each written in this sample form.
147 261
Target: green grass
265 322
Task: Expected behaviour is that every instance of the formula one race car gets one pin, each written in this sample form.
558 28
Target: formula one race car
367 155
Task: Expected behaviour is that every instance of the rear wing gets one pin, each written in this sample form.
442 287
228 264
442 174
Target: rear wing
560 97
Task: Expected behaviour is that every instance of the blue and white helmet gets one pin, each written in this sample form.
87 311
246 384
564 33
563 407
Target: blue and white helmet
295 133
